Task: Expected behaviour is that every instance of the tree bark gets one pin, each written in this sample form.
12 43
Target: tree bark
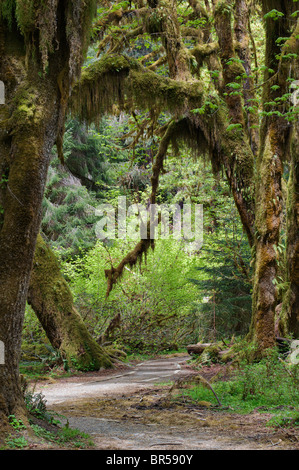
267 222
41 50
30 155
290 305
52 302
275 133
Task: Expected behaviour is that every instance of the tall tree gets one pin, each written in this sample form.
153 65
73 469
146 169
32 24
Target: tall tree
248 141
280 66
42 45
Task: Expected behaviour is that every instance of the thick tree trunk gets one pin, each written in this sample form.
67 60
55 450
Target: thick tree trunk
22 200
290 305
273 151
52 301
267 223
41 51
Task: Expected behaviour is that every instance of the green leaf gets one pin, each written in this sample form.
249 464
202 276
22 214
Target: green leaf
274 14
234 126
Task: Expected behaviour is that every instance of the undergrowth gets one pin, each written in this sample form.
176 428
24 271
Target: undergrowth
44 429
270 385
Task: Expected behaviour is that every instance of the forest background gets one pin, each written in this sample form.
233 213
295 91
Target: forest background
200 97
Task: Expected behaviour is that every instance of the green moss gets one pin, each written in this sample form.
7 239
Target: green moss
27 107
26 15
124 81
7 8
154 22
52 301
223 8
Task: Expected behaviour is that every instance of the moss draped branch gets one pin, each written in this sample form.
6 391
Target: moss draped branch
143 245
124 81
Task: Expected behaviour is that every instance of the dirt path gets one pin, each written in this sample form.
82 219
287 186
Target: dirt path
128 410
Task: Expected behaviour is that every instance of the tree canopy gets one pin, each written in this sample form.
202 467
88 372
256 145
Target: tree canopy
212 79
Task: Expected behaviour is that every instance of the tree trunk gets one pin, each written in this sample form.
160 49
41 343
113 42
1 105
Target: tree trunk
275 132
267 222
52 301
290 305
41 51
21 200
197 348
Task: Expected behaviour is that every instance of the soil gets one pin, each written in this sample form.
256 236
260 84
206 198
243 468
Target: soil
133 408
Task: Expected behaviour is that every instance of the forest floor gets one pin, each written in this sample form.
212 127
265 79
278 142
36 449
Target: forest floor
135 408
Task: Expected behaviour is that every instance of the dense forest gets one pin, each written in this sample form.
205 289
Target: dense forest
160 103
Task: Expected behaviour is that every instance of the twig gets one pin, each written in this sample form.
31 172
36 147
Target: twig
167 444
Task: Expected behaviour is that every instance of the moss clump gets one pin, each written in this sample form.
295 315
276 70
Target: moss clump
26 15
52 301
124 81
101 86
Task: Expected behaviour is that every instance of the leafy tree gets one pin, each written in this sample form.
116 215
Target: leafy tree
152 302
243 125
225 288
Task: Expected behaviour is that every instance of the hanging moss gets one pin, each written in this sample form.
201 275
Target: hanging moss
26 15
40 17
122 80
101 86
7 9
153 21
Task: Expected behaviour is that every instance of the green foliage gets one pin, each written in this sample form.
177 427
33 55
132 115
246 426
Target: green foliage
224 283
269 386
7 11
16 423
36 406
274 14
223 273
64 437
153 299
16 442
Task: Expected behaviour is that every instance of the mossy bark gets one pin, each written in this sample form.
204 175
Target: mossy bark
51 299
267 223
290 306
274 135
21 200
39 42
242 20
162 19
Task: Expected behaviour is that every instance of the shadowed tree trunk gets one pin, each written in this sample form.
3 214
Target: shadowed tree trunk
52 302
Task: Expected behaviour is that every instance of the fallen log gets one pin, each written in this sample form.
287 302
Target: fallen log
197 348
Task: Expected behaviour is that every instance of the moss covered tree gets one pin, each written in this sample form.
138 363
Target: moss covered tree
42 46
245 125
200 73
52 302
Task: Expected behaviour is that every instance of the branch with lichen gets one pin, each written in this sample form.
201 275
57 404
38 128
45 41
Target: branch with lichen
140 250
124 81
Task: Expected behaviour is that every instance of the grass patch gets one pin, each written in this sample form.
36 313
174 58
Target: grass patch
270 386
64 437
